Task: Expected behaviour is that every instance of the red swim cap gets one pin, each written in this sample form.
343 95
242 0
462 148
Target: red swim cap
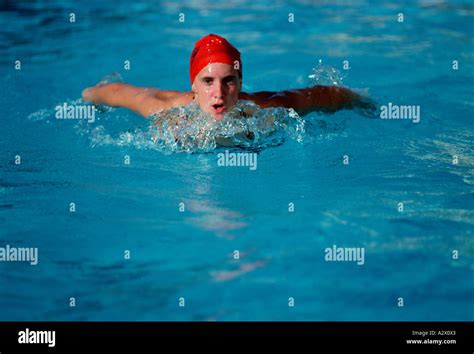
213 49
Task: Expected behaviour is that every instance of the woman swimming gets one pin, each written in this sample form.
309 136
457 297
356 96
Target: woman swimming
216 83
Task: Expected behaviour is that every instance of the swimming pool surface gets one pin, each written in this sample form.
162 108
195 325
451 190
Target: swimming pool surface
143 238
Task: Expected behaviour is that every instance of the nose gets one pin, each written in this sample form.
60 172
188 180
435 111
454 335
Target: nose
219 90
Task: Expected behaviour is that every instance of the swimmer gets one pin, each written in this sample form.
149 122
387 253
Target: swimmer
216 84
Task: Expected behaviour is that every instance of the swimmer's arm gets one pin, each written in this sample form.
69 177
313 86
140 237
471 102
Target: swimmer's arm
317 98
144 101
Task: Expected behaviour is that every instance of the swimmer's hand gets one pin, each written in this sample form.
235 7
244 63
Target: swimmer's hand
365 106
102 93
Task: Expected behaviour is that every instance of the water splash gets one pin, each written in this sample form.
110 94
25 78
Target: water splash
41 115
329 76
188 129
246 126
137 138
325 75
108 79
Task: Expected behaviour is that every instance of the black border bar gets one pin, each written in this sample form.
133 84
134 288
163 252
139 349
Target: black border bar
220 337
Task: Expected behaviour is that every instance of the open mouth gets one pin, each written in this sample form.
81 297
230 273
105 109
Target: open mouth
218 107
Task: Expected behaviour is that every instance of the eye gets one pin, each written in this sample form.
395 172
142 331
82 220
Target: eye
230 81
208 81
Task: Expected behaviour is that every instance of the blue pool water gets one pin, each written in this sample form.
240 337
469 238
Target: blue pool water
410 254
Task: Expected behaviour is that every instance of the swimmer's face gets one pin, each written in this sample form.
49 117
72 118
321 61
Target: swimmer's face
216 89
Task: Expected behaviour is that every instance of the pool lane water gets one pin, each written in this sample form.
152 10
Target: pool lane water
182 217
